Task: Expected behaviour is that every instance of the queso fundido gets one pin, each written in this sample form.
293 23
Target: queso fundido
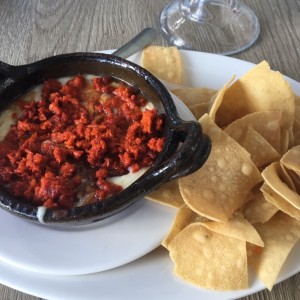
67 147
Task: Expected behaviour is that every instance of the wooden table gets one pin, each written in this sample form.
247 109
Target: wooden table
31 30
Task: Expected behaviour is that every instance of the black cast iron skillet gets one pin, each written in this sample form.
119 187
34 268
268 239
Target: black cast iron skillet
172 163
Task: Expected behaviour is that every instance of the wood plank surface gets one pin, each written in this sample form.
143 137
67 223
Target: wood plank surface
31 30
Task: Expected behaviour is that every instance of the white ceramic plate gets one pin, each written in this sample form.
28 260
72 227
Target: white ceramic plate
93 248
149 277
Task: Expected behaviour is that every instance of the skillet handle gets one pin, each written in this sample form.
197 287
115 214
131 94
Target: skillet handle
11 73
191 155
6 71
193 152
4 74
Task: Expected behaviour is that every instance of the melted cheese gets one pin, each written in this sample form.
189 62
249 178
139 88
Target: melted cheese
128 179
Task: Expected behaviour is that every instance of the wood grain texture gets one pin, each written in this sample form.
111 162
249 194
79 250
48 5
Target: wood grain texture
31 30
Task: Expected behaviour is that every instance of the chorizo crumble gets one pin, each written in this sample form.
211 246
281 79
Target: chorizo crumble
69 143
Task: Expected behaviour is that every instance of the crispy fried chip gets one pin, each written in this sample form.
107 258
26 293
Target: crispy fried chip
247 194
271 175
277 200
163 62
226 178
237 227
258 209
280 235
285 176
296 132
287 140
266 123
208 259
193 96
167 194
184 217
254 142
295 178
291 159
296 127
245 96
216 102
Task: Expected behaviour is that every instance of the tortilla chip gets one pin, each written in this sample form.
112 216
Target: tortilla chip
163 62
280 235
291 159
266 123
286 140
216 102
194 96
296 132
258 209
261 89
296 127
297 99
167 194
226 178
295 179
278 201
271 175
261 151
286 177
184 217
237 227
208 259
291 140
260 116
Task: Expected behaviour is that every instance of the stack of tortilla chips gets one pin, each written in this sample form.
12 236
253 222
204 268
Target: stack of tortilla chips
242 208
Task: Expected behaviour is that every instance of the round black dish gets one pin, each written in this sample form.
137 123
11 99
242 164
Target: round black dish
172 163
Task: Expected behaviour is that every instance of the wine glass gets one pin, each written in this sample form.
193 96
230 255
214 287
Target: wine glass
216 26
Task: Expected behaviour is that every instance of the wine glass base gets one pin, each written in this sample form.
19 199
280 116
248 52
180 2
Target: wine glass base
218 26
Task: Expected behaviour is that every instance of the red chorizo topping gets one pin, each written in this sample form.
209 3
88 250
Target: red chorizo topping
69 143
